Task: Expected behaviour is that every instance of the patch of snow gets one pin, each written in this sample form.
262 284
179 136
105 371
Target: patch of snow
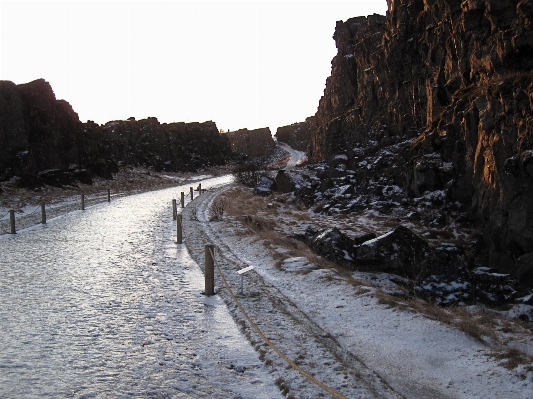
297 264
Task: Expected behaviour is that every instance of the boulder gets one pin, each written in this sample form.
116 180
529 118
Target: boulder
284 182
332 244
399 251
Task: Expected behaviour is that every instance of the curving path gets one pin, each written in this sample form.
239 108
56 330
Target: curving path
297 157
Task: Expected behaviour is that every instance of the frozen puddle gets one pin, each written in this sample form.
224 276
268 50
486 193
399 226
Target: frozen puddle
104 303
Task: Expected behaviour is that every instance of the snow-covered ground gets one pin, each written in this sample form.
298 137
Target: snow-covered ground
297 157
335 330
340 333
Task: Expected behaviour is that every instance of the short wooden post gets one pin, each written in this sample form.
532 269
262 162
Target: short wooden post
43 213
182 199
12 221
83 202
192 194
199 188
209 270
174 210
179 235
108 195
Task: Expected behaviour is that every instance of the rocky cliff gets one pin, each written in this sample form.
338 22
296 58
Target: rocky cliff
296 135
448 87
43 141
252 143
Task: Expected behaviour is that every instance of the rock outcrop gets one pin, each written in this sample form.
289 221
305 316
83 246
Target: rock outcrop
444 90
252 143
44 142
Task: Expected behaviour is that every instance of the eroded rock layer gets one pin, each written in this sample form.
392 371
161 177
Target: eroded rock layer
452 80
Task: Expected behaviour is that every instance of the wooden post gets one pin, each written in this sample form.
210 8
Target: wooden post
182 199
199 188
108 195
174 210
43 213
192 194
209 270
83 202
12 221
179 235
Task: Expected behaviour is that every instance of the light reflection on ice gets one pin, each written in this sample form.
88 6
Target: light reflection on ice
103 303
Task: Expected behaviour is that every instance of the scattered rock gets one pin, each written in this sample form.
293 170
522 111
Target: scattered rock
493 288
265 186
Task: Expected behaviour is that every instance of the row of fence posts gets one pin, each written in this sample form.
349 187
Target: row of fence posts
209 262
13 229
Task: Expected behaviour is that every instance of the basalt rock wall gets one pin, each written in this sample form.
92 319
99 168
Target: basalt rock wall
253 143
41 136
456 78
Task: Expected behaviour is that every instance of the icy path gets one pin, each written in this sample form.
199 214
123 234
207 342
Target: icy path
104 303
297 157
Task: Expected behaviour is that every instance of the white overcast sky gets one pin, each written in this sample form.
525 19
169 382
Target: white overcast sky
240 64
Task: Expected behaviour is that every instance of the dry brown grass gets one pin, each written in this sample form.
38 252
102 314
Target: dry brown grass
255 213
512 358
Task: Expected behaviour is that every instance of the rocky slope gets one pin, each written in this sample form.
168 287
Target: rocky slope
44 142
436 96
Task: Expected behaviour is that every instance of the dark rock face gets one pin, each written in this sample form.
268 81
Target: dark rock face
253 143
452 81
297 135
44 142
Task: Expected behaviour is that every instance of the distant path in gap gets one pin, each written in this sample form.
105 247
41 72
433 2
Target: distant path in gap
297 157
